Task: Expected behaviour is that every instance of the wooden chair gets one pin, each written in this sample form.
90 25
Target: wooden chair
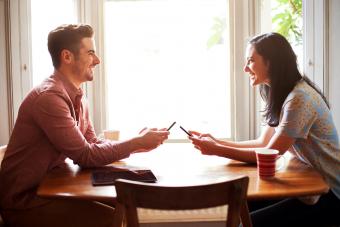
2 153
131 194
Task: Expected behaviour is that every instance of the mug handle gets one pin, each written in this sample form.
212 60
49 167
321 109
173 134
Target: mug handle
280 162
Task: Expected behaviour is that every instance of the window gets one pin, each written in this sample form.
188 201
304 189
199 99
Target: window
286 19
45 16
162 61
168 61
217 71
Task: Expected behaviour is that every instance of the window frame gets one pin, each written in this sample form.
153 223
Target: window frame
315 38
244 121
4 66
19 75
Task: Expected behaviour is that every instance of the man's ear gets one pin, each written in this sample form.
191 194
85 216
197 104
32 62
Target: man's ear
66 56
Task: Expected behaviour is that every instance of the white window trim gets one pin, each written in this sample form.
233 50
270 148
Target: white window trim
315 38
5 117
92 12
20 78
334 66
244 97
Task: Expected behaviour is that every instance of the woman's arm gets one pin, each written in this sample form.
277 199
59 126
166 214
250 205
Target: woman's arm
262 141
209 146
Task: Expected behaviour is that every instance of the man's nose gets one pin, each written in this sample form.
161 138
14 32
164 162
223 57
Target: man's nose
96 60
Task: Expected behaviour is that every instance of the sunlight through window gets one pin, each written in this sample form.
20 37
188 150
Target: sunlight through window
45 16
168 61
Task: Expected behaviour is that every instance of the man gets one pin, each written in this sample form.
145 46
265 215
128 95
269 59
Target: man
53 124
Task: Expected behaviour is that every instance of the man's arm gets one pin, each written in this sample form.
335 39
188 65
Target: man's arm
52 114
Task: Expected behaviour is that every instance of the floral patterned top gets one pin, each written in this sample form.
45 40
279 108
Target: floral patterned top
306 117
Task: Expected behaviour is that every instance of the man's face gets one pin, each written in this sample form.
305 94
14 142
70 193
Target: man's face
86 60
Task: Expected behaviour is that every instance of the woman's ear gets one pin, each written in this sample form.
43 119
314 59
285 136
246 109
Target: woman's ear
267 65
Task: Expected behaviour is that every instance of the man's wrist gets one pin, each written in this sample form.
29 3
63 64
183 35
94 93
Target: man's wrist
136 144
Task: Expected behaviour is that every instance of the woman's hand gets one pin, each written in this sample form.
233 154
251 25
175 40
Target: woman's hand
205 143
203 135
150 139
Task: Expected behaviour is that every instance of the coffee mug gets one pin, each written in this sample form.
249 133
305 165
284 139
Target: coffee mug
266 162
111 134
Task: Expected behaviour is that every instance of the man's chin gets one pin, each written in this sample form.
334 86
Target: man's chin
89 77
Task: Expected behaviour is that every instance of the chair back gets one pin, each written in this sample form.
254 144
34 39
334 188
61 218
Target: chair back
2 153
131 194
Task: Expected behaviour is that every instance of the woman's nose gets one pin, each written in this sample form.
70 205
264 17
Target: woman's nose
246 68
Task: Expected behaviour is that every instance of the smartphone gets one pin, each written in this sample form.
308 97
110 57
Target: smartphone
171 125
189 134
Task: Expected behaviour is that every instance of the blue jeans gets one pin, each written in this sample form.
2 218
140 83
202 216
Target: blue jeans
292 212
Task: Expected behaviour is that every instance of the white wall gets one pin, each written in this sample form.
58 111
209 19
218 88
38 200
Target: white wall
334 60
4 127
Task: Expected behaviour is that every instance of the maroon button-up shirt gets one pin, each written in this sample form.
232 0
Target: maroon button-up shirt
52 124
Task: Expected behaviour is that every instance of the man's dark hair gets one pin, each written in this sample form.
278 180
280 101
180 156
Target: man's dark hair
283 73
67 37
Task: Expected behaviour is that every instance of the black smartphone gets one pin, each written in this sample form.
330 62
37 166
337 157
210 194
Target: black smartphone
189 134
171 125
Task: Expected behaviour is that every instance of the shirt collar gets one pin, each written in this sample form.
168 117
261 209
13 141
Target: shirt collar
71 90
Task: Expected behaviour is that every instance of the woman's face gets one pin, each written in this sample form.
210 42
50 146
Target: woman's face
256 67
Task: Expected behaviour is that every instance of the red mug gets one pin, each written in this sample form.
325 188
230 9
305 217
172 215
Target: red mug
266 162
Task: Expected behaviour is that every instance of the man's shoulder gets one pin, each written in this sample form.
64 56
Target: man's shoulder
51 84
50 87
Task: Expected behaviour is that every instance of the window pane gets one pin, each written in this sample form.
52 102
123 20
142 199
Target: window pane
168 61
286 19
45 16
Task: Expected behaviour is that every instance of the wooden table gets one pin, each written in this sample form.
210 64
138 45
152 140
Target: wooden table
181 164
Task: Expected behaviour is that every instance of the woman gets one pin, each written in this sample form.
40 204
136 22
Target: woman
299 120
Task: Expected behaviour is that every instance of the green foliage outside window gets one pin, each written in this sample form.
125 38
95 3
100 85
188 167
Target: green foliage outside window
287 19
218 28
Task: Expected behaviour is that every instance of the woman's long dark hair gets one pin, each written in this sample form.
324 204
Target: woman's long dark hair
283 73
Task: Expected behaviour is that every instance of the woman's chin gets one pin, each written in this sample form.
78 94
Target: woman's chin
253 83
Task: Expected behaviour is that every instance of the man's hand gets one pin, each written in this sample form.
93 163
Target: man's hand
150 139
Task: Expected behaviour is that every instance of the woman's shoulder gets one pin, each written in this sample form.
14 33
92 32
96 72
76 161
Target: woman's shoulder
303 94
299 92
